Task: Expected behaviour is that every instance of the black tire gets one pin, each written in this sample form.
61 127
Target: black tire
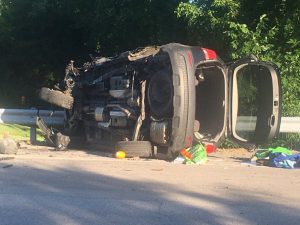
57 98
135 148
184 99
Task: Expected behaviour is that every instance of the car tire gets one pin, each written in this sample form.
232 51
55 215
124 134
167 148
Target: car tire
135 148
183 116
57 98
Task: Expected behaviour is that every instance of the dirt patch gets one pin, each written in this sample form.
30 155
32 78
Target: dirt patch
239 154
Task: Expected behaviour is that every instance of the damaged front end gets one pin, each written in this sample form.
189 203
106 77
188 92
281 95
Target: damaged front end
119 99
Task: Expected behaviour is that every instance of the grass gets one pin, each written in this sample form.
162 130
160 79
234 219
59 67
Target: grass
19 132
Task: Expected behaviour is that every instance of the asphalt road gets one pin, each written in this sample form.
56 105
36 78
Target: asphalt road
44 187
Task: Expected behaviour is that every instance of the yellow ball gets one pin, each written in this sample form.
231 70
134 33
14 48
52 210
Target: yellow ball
120 155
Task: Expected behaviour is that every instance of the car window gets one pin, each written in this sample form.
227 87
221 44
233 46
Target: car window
254 92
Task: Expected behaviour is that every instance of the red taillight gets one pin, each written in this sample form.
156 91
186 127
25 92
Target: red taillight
209 54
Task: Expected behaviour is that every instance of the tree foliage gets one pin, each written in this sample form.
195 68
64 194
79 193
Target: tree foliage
267 29
38 37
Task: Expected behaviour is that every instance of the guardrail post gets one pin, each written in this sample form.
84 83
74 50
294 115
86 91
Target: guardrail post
33 135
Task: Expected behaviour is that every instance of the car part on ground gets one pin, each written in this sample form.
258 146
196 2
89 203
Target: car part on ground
135 148
158 132
56 139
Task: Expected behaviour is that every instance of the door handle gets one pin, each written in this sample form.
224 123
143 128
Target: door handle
272 120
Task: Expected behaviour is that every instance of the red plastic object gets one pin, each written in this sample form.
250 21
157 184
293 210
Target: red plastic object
210 148
185 153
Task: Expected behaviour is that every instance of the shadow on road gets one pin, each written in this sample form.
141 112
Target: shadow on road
31 195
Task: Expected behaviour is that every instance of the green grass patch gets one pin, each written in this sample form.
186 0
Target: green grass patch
19 132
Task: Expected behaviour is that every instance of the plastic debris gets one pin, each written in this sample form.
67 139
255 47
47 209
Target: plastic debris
282 160
265 153
194 155
277 157
120 155
210 148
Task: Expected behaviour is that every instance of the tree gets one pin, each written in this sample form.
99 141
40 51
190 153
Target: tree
238 28
38 37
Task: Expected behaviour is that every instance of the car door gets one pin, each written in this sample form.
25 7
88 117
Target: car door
254 103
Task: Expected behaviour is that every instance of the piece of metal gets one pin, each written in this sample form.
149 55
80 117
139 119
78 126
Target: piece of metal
32 135
158 132
100 114
117 114
128 113
119 121
140 53
47 132
143 93
118 118
137 128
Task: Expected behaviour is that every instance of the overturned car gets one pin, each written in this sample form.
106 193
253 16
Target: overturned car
156 101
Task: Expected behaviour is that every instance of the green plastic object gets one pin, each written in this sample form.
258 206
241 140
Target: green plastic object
264 153
281 150
197 154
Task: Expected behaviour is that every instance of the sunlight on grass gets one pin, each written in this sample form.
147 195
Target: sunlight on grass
18 132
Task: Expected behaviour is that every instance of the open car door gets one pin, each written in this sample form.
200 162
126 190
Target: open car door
254 112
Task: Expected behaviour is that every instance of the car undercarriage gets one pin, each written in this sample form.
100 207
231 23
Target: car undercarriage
157 100
125 98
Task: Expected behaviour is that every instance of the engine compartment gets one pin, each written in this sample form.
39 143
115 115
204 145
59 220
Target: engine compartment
125 98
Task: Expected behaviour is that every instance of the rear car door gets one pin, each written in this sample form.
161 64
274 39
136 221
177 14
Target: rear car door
254 103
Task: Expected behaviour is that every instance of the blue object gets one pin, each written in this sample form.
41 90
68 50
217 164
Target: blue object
282 160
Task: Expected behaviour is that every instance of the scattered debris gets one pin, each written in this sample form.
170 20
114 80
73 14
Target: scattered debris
61 141
279 157
23 144
8 145
56 139
120 155
282 160
264 153
194 155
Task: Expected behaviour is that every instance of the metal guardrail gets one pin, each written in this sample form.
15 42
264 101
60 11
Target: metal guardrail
56 118
288 124
28 116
